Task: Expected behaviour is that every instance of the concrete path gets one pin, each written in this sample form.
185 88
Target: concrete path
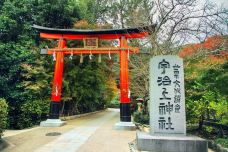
92 133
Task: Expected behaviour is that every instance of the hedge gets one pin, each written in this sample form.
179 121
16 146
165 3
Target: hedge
3 115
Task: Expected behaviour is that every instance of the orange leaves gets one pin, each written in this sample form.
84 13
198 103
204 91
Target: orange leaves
83 24
112 85
215 59
211 44
189 50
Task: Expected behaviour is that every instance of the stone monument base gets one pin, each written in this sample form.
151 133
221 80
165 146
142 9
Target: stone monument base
125 126
170 143
52 123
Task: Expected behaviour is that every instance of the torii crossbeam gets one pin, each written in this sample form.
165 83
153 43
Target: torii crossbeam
91 38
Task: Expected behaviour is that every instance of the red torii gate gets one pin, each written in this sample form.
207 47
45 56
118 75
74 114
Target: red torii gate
105 34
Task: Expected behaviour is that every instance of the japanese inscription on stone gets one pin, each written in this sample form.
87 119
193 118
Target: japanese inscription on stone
167 99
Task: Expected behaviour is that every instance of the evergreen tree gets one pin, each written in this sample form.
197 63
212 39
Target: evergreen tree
26 77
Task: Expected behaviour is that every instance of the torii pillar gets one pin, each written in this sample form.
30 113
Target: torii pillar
53 118
125 111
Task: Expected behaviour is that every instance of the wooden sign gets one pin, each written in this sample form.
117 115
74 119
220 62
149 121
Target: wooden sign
90 42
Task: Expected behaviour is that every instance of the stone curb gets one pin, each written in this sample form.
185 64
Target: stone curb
80 115
143 127
3 144
216 147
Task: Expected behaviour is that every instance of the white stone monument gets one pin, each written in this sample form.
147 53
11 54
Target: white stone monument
167 110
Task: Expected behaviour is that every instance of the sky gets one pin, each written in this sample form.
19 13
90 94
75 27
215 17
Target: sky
224 3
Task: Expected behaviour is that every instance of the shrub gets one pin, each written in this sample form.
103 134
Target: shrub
206 87
222 141
115 103
3 115
32 113
141 117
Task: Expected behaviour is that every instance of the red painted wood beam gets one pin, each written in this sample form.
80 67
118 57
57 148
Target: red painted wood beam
86 52
93 51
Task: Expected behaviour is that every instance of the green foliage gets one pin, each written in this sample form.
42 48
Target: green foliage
90 10
206 92
33 112
222 141
84 85
55 13
219 109
3 115
26 76
141 117
115 103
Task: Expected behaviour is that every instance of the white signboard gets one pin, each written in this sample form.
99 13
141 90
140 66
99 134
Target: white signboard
167 99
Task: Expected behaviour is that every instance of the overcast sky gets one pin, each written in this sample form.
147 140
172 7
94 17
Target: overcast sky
224 3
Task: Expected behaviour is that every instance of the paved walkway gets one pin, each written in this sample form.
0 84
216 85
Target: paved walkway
93 133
